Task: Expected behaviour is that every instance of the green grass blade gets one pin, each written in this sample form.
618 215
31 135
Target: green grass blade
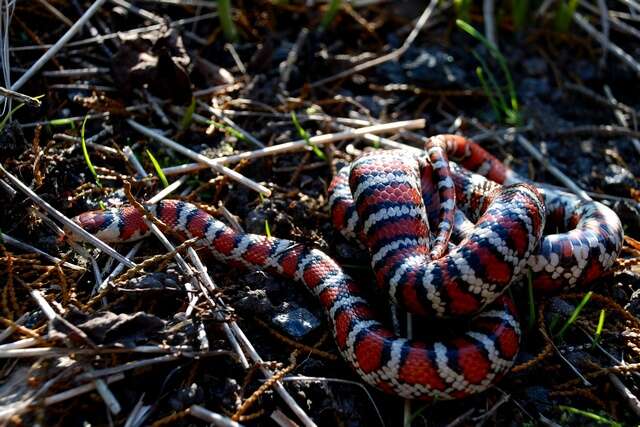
158 169
267 229
228 129
85 152
493 84
330 14
187 118
5 119
502 61
416 414
487 90
226 20
593 416
599 327
61 122
564 15
520 13
305 135
575 314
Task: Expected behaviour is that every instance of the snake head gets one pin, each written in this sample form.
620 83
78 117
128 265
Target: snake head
119 225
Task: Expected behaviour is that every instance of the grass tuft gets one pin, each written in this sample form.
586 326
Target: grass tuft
510 112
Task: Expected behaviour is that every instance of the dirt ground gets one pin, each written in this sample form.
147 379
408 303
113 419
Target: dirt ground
160 343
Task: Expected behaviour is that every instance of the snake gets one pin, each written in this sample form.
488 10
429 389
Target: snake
407 209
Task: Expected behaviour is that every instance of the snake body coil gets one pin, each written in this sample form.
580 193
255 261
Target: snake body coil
385 201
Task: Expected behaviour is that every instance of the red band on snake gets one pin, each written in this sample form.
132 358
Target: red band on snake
380 201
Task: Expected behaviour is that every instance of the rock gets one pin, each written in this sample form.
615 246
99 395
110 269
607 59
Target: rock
351 251
297 322
375 104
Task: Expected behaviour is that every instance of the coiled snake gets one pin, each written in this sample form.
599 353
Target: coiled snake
386 201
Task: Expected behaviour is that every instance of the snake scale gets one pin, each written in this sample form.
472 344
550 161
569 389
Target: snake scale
406 209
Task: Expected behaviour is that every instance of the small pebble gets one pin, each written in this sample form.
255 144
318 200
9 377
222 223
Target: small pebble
297 322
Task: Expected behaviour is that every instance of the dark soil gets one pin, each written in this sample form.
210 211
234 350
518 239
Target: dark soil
560 85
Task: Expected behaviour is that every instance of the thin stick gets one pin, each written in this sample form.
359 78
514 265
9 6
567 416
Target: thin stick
26 247
58 45
278 387
210 286
488 12
426 14
301 144
620 117
78 72
92 375
200 158
230 123
604 23
102 38
106 394
55 12
75 228
535 153
30 101
612 47
74 392
629 397
212 417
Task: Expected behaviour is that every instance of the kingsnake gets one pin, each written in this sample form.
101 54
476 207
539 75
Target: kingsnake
386 200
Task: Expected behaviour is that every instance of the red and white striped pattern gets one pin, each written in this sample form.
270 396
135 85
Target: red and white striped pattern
385 201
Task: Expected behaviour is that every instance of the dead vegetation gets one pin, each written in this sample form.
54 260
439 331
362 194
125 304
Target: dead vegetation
119 102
